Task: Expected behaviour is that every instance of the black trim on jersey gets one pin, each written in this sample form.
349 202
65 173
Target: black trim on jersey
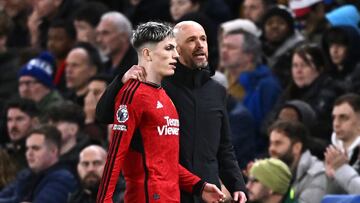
146 171
136 142
152 84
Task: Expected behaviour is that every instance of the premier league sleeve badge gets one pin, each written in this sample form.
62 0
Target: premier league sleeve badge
122 114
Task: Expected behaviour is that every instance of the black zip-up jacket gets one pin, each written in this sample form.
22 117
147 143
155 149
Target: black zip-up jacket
205 145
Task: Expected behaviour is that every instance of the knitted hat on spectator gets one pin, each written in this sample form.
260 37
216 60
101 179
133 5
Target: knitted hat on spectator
41 68
302 7
272 173
244 24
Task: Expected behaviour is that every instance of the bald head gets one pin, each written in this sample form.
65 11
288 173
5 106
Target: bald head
191 44
91 166
93 149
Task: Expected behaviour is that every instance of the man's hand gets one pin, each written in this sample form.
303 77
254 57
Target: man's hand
239 196
136 72
334 159
212 194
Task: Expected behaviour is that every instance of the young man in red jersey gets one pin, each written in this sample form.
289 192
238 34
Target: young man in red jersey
145 142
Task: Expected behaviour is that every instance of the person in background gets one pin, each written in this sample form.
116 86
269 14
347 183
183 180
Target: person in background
113 36
82 63
45 180
22 115
269 181
36 82
288 142
90 169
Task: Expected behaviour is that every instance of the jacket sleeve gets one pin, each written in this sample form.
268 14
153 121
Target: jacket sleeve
127 117
56 188
229 171
105 106
347 177
189 182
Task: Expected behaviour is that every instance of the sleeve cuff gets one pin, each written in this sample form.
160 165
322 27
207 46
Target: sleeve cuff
199 187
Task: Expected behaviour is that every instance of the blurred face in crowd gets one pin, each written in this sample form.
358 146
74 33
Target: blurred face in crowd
253 10
303 73
78 69
163 56
30 88
179 8
13 7
276 29
337 53
346 122
40 155
256 190
232 56
67 129
85 32
18 123
96 88
111 40
46 7
59 43
280 147
288 114
191 44
91 166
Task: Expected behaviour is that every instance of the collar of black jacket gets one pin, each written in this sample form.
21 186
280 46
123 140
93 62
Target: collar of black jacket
192 78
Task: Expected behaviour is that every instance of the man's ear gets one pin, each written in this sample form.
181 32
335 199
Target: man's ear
146 54
297 147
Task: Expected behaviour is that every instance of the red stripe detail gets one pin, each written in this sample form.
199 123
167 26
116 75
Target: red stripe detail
107 170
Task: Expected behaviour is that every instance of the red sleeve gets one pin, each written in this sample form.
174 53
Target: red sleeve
126 119
188 181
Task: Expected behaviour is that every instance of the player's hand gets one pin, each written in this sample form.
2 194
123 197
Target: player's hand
211 194
136 72
239 197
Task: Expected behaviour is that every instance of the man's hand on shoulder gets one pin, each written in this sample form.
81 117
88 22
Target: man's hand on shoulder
136 72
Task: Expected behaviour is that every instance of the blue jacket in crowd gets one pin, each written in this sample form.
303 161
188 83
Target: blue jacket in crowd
53 185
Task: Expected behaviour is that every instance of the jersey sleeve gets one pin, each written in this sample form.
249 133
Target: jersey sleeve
126 119
189 182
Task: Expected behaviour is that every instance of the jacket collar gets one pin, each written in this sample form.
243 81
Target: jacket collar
192 78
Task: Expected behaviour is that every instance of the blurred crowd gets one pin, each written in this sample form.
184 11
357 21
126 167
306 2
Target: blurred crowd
291 70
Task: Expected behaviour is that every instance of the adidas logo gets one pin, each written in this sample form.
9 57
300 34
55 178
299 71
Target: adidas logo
159 105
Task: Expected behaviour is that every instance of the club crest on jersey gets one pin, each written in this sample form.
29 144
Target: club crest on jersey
122 114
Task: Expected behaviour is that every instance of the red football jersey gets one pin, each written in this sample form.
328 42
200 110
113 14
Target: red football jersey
145 147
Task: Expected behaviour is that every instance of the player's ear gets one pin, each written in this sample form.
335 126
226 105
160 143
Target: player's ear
146 54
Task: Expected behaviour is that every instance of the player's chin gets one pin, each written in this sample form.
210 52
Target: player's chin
169 72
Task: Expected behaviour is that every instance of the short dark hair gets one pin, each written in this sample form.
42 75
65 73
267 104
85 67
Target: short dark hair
337 35
151 32
101 77
25 105
316 54
93 54
67 26
91 12
352 99
294 130
67 111
51 133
